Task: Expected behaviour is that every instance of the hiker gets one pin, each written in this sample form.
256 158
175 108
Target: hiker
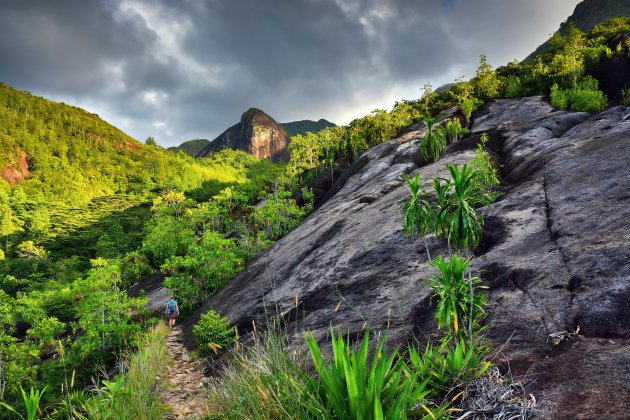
172 311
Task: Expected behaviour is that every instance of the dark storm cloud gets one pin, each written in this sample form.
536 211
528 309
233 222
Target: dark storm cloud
184 69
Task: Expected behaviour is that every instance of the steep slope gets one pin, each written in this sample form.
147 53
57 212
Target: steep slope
257 133
68 155
554 255
304 126
586 15
191 147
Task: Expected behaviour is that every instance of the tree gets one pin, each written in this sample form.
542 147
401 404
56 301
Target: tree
428 95
150 141
486 83
567 63
207 266
28 249
104 311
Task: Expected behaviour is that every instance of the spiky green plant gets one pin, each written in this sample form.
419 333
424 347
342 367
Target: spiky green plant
417 212
453 294
451 364
433 142
356 388
458 219
31 404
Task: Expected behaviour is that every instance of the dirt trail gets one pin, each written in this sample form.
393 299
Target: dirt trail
187 392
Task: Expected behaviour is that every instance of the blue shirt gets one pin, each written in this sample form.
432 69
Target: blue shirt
171 306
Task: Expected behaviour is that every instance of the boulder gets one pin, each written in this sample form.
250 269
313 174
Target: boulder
554 255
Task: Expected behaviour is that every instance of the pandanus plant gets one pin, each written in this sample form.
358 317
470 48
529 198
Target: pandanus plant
457 218
355 386
417 212
453 216
433 142
453 294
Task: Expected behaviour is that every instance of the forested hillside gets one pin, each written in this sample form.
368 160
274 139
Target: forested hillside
85 212
586 16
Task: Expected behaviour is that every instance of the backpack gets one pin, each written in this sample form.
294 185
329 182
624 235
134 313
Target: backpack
172 307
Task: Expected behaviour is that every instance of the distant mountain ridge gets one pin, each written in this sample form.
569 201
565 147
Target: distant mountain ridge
586 15
304 126
257 133
196 146
191 147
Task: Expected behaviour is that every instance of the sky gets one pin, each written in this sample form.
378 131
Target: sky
183 69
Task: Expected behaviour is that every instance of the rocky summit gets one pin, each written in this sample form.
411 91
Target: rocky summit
554 255
257 133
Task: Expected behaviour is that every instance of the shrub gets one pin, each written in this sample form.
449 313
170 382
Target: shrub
487 176
559 98
213 332
579 99
134 268
486 84
588 100
513 87
468 105
60 304
453 130
207 266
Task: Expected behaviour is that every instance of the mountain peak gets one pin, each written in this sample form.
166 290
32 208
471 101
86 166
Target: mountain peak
257 133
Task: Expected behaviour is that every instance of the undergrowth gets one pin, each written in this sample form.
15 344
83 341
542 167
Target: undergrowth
138 393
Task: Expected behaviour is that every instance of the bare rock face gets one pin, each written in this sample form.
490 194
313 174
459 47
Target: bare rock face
18 170
257 133
555 255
